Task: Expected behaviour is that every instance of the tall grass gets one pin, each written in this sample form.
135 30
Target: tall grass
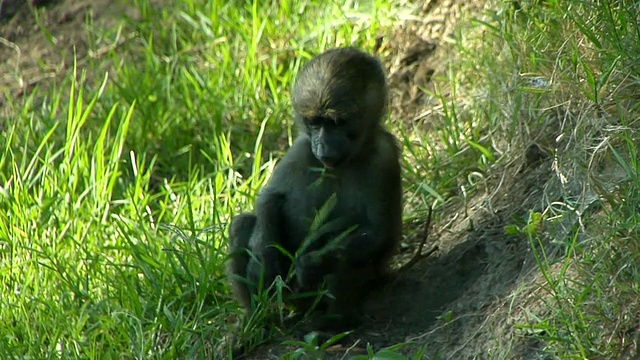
564 77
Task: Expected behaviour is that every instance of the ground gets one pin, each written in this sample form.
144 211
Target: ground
23 46
457 301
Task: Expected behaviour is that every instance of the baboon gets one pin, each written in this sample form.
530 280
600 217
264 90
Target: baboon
344 163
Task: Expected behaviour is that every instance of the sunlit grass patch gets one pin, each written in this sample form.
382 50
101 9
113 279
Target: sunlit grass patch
117 187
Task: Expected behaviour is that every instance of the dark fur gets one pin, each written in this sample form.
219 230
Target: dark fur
340 100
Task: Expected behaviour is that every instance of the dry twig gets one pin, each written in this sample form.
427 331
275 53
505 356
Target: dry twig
418 255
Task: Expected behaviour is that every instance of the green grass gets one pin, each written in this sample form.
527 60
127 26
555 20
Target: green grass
117 186
564 76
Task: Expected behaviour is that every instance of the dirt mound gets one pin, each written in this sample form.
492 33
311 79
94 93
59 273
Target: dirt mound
447 300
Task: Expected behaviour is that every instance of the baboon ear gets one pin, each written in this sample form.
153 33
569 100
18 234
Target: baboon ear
376 100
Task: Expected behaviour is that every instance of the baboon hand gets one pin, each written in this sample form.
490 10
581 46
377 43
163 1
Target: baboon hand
309 269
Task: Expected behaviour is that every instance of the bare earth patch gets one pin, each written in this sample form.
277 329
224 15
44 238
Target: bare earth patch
36 52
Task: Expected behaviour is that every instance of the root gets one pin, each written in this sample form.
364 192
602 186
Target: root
418 255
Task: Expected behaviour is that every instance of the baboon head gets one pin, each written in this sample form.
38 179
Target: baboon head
340 98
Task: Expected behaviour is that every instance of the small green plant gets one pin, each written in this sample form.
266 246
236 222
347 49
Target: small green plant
389 353
310 348
529 228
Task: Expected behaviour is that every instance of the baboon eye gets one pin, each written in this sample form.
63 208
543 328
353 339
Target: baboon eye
315 121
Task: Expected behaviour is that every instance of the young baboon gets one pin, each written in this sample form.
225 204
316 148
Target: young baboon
342 157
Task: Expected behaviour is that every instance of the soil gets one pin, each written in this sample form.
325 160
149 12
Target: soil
34 53
457 303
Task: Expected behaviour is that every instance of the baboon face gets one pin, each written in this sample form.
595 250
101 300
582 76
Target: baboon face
332 141
339 98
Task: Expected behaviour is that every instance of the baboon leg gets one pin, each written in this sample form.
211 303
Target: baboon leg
349 289
269 234
239 234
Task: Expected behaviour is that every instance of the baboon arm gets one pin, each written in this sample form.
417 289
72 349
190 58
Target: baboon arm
269 224
267 233
380 229
360 249
271 205
370 242
296 161
365 245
